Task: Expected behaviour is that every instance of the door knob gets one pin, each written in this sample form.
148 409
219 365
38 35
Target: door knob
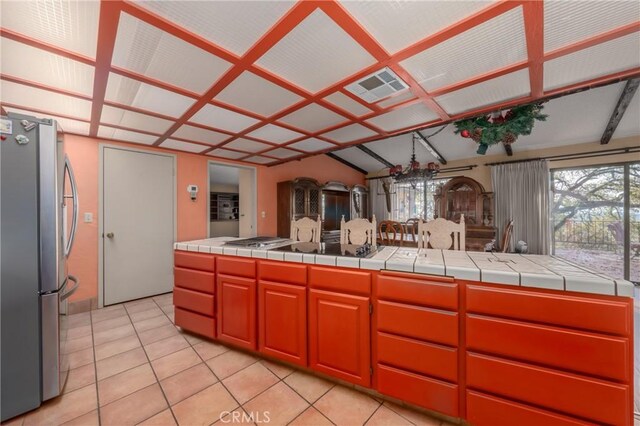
110 235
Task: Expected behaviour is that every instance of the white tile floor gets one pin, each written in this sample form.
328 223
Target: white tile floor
130 365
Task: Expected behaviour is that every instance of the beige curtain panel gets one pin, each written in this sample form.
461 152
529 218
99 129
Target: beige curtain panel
521 192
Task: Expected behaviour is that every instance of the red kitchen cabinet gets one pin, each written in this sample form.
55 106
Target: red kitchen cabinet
236 310
282 319
339 335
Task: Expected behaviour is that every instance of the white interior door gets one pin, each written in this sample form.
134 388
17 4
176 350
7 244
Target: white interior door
138 224
247 208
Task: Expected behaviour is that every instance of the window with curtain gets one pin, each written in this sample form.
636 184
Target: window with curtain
414 200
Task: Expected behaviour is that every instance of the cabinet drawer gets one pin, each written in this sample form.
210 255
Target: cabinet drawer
572 394
193 301
485 410
424 358
194 280
237 266
584 352
189 260
196 323
416 389
281 272
418 290
597 314
418 322
340 280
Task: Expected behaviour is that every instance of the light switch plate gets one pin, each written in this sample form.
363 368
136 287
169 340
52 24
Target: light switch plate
88 217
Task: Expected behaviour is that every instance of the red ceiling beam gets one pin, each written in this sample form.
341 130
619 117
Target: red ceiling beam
534 32
592 41
46 46
295 15
173 29
107 29
480 78
352 27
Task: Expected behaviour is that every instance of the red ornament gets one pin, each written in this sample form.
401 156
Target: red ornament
465 134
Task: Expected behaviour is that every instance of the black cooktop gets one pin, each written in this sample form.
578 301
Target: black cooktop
332 249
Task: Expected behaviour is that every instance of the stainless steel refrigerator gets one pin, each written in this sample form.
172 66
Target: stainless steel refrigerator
38 193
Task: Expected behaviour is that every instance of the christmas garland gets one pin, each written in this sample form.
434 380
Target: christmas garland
497 127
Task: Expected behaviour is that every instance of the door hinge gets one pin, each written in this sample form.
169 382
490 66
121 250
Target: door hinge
370 309
371 371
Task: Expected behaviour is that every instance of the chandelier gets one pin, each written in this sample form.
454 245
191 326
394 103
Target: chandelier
413 174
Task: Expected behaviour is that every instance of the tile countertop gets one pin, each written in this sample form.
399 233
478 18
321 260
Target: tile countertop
531 270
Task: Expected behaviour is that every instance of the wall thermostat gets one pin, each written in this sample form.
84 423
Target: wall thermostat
193 191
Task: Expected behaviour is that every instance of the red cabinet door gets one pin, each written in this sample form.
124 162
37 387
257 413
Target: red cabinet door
339 336
282 313
236 306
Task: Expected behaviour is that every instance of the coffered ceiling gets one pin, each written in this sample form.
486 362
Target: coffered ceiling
264 81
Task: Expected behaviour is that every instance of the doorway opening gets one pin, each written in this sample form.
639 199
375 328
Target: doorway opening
231 200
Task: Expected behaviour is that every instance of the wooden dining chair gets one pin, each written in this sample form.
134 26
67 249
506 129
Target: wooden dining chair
388 231
306 230
506 237
442 234
412 228
358 231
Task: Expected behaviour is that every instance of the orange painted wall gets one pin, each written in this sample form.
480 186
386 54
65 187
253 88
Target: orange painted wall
319 167
191 216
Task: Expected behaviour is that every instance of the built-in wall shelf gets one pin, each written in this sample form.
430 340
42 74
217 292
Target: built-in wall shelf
224 206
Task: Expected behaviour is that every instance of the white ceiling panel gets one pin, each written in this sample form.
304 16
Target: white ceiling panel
455 147
404 117
32 98
220 118
358 158
346 103
68 126
233 25
402 96
72 25
182 146
226 153
200 135
349 133
504 88
125 135
39 66
260 160
275 134
313 118
486 47
134 120
316 54
247 145
144 96
572 119
282 153
398 24
255 94
567 22
147 50
616 55
311 145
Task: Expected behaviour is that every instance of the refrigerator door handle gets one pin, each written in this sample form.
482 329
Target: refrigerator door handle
74 197
72 290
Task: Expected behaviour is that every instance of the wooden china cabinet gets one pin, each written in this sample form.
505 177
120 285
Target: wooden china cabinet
463 195
298 198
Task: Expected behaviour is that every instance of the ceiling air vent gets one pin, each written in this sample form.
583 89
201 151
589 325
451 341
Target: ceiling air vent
377 86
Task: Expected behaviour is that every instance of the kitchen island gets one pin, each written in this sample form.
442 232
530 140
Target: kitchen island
481 336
